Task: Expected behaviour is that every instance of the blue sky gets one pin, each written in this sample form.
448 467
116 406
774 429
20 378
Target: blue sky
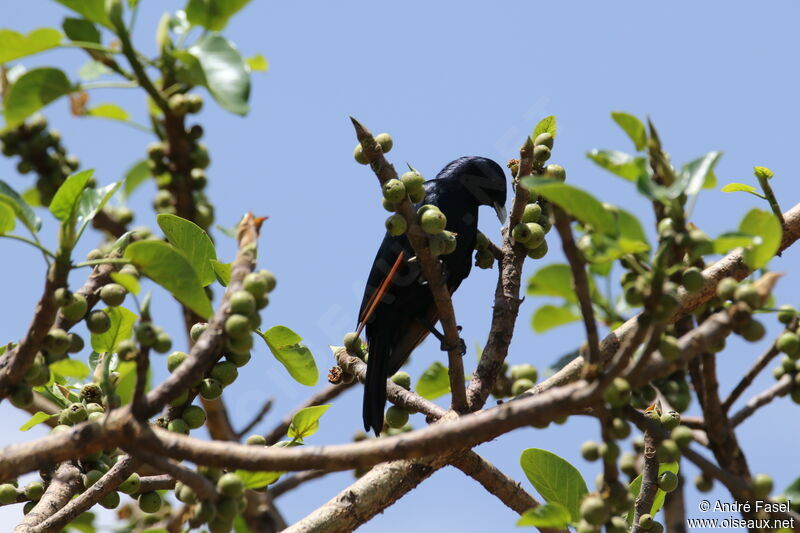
448 79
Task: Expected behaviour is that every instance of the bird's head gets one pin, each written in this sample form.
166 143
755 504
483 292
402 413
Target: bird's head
482 178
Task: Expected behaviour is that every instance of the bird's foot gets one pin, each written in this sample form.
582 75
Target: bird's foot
461 346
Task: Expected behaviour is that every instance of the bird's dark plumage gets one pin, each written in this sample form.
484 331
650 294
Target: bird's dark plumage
398 323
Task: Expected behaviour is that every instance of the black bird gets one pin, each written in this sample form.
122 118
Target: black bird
406 312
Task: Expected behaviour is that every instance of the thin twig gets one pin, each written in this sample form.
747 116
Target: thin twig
780 388
749 376
204 488
259 416
292 482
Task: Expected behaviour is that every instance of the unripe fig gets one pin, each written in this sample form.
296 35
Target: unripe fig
668 451
396 224
56 341
646 522
358 154
747 293
76 343
752 331
726 288
669 348
194 103
8 494
619 429
627 464
537 235
194 416
62 296
484 259
413 181
703 484
786 313
230 484
243 303
256 440
185 494
34 490
91 393
178 426
682 435
130 485
225 372
255 284
178 104
594 510
524 371
114 13
394 191
609 451
667 481
618 394
110 500
538 252
449 241
762 486
544 139
385 141
789 343
617 524
692 280
197 330
91 477
590 450
521 385
416 195
113 294
145 334
163 341
269 278
541 153
237 326
21 396
521 233
76 308
433 221
403 379
396 417
210 389
77 413
670 420
149 502
532 213
555 172
238 359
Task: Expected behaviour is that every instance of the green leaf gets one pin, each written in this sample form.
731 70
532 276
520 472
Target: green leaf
288 349
193 241
32 197
136 175
94 10
213 14
633 127
257 63
792 492
91 202
34 90
222 271
21 209
256 480
128 281
66 198
36 419
168 267
306 421
732 239
434 382
553 280
735 187
619 163
546 125
658 502
763 224
122 321
14 45
126 383
7 220
629 227
71 368
217 64
555 479
549 316
91 70
578 203
550 515
109 111
694 174
81 30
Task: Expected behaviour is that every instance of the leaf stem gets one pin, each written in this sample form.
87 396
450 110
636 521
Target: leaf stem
103 261
770 197
35 244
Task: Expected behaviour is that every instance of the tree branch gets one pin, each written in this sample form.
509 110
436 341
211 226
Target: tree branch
780 388
649 487
325 395
65 483
749 376
204 489
431 267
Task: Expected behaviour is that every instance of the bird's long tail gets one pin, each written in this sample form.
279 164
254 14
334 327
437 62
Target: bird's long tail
375 383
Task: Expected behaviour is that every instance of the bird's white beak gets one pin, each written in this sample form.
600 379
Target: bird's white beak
501 212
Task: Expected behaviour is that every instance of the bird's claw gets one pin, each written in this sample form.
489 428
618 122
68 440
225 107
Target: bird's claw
461 346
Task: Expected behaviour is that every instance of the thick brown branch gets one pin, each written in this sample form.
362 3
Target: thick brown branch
105 485
431 267
65 483
204 488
